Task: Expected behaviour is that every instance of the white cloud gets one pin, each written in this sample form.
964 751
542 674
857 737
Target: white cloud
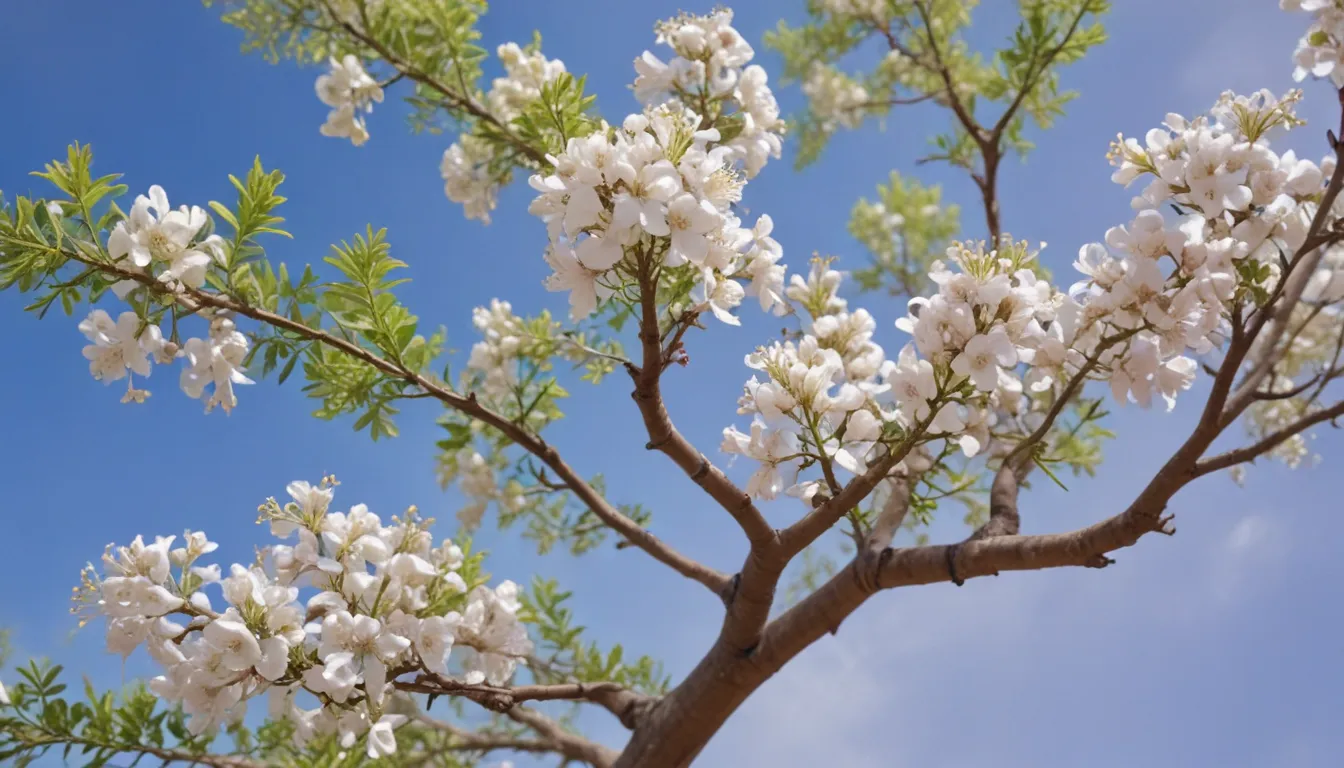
1245 558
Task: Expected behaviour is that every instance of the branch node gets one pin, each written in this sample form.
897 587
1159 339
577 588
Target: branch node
702 471
1098 561
1164 525
951 551
654 445
729 591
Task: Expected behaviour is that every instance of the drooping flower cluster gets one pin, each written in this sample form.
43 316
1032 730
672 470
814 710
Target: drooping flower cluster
348 90
215 362
468 176
710 73
157 241
382 603
115 347
1321 50
477 479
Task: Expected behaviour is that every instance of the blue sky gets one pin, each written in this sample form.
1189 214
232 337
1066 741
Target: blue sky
1218 646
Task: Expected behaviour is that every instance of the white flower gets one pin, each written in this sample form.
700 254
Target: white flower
274 659
912 384
347 89
983 355
217 360
235 641
119 346
434 641
467 179
336 676
163 236
689 220
382 740
570 275
495 636
719 295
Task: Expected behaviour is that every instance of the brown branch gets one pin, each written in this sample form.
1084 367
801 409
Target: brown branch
1290 393
465 740
941 69
885 527
664 435
167 754
194 300
625 704
569 744
1268 443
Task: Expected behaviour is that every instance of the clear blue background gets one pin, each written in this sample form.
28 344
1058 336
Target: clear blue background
1219 646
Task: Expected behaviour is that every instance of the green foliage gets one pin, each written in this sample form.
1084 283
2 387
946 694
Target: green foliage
929 60
563 112
566 657
93 730
905 230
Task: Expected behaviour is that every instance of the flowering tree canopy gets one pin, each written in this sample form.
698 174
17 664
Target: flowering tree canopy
351 624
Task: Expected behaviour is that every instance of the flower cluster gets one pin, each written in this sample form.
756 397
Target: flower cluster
524 75
819 397
836 99
476 477
156 240
1243 207
710 73
495 356
653 189
995 336
348 90
383 603
1321 51
153 233
872 10
468 176
215 362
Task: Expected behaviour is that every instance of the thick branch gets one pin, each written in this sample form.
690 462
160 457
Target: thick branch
193 300
663 434
889 520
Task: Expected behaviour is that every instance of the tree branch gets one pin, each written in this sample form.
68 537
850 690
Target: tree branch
194 300
168 755
1268 443
663 434
464 740
625 704
569 744
462 101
